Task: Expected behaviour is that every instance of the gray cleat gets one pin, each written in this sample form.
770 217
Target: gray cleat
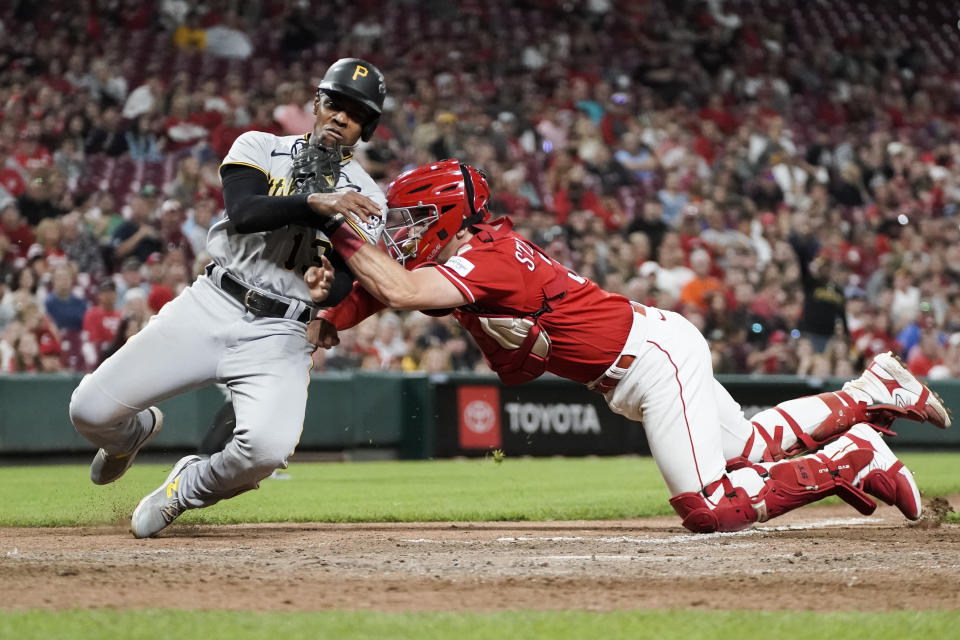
163 506
106 467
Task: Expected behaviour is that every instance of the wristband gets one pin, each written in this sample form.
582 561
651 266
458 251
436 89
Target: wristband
345 240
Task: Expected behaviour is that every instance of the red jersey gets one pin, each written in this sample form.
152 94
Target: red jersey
502 273
101 325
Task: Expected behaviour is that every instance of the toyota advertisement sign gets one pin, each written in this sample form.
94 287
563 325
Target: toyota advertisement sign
542 419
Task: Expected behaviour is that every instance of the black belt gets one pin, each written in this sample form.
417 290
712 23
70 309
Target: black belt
258 304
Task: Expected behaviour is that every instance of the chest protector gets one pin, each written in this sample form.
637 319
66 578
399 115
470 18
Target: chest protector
514 342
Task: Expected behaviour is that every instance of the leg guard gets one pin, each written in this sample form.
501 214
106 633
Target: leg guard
721 506
800 426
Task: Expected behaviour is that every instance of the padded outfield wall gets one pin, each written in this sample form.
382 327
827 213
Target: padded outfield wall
417 416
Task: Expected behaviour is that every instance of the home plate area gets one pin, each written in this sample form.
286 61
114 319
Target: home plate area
818 558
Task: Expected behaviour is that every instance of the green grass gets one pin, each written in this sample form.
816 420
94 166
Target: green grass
467 490
512 625
518 489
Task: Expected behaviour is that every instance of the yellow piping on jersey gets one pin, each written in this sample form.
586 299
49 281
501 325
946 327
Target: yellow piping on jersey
309 371
244 164
360 232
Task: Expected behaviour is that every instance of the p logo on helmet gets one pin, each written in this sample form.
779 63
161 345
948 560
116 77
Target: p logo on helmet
360 81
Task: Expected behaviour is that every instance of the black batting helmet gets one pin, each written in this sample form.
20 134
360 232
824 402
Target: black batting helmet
361 81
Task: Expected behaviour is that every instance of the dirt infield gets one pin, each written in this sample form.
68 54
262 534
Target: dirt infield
819 558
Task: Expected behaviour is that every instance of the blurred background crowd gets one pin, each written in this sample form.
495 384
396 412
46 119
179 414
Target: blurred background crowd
787 175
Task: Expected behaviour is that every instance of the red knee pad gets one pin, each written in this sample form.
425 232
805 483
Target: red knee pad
733 513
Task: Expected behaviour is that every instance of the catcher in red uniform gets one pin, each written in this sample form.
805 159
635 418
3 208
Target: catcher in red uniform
530 314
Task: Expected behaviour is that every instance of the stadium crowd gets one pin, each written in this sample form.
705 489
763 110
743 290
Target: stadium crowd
787 176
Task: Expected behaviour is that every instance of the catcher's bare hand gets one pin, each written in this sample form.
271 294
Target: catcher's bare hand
344 202
320 279
322 334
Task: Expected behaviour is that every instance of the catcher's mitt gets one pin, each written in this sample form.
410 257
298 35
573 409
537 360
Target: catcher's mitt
316 168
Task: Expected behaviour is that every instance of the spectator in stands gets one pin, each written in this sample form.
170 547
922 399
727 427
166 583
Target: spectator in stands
235 121
229 39
187 180
294 112
776 358
697 291
26 354
107 135
304 25
29 154
673 198
389 344
204 214
130 325
7 258
172 237
103 216
31 317
48 244
346 355
65 308
763 171
435 359
8 307
905 305
130 278
190 36
70 161
38 202
181 128
137 236
672 274
636 158
927 353
145 99
77 130
101 322
143 139
81 247
160 292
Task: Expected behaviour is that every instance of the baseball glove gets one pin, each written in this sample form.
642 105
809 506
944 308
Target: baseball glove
316 169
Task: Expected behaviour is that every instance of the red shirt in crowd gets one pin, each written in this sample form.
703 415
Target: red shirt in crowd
12 181
100 325
37 158
160 294
21 239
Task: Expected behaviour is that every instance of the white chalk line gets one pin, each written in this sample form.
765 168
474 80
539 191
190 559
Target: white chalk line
678 539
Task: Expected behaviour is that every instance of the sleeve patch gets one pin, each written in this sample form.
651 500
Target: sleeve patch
459 265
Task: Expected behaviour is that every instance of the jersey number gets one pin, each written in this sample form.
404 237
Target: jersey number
525 256
321 245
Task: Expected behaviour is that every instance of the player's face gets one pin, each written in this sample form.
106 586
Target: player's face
339 120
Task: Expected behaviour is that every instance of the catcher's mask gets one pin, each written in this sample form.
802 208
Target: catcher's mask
428 205
360 81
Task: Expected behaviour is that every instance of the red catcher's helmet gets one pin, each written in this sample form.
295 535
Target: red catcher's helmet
428 205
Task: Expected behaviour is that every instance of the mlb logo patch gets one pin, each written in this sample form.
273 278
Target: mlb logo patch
459 265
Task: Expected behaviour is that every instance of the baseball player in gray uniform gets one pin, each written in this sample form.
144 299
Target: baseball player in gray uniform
245 322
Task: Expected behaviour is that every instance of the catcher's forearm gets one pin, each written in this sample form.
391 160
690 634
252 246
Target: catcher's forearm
251 210
356 307
374 270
